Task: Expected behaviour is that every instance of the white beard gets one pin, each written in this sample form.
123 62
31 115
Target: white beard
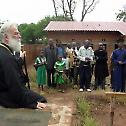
15 44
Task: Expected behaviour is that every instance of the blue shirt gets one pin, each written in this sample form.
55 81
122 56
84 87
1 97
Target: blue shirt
119 55
60 51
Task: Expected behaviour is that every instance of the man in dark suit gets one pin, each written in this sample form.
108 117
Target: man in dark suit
14 94
101 66
50 53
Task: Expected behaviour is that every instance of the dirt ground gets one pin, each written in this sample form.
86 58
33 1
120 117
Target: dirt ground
101 109
100 106
62 105
102 114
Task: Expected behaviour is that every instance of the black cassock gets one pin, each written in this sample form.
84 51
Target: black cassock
101 67
14 94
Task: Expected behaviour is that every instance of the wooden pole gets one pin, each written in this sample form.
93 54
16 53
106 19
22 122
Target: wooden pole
26 72
112 96
112 105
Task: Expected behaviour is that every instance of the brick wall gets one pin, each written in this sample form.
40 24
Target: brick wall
109 38
32 51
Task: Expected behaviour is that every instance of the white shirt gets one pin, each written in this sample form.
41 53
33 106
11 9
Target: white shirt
85 53
66 60
76 51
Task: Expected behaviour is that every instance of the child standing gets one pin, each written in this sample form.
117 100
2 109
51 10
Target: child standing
58 76
40 64
66 71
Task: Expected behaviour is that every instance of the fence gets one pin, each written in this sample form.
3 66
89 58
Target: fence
32 50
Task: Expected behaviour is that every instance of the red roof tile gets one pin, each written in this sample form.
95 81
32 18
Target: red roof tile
86 26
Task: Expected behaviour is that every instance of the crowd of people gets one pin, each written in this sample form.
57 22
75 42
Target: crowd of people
76 61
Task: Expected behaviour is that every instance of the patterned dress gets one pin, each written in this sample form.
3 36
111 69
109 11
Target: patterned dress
58 76
41 70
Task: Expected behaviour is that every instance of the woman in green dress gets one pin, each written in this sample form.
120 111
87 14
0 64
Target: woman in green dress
40 64
58 76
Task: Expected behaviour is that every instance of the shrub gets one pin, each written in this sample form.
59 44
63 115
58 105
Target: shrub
84 108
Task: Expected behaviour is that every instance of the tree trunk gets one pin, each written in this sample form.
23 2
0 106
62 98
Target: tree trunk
54 4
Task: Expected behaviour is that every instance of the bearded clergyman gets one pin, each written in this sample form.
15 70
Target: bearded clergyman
14 94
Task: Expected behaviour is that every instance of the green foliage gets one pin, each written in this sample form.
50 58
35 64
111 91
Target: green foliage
34 33
121 15
84 109
32 74
89 121
22 28
58 18
28 33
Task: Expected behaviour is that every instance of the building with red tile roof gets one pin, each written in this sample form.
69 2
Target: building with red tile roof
107 32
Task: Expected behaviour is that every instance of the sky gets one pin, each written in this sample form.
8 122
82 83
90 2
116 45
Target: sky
31 11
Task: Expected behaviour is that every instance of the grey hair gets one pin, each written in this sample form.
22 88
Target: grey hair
5 28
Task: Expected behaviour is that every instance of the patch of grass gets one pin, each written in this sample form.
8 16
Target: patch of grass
89 121
86 101
32 74
83 107
84 110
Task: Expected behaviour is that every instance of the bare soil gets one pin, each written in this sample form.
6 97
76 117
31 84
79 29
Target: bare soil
100 109
100 105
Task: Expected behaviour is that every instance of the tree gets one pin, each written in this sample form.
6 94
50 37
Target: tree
22 28
55 8
122 14
34 33
28 33
88 7
71 7
68 7
44 22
